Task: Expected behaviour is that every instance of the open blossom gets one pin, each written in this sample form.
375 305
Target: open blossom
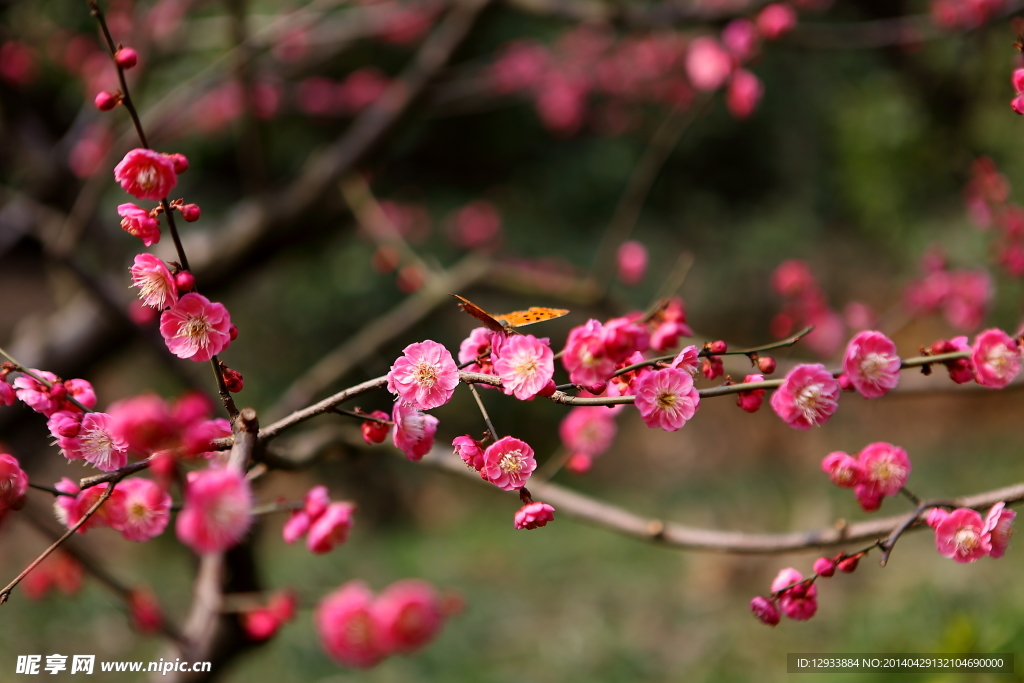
425 376
871 364
808 396
765 611
751 401
584 356
508 463
407 615
37 395
884 471
344 621
525 365
217 511
96 444
156 285
477 344
533 515
670 324
70 510
625 336
413 432
143 422
687 360
996 358
999 527
136 221
961 536
588 429
799 602
196 328
666 399
330 528
146 174
147 509
13 483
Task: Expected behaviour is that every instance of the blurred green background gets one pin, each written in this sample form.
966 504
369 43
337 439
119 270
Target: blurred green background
854 161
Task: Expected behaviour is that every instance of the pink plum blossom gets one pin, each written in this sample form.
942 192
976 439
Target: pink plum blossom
843 469
744 92
330 528
425 376
296 526
667 399
765 611
799 602
740 37
146 174
632 262
197 437
70 510
407 615
687 360
35 394
996 358
588 429
470 451
156 285
476 345
884 470
137 221
96 444
625 336
147 509
751 400
217 511
670 324
13 484
413 432
961 536
999 527
871 364
374 431
196 328
80 390
508 463
792 278
7 394
808 396
345 623
525 365
144 423
776 20
707 64
533 515
584 356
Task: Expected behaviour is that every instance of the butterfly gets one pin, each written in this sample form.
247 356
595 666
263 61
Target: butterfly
509 321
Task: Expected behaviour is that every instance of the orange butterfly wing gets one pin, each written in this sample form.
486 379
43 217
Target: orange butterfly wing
504 323
532 315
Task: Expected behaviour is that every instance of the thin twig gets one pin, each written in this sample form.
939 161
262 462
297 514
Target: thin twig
483 411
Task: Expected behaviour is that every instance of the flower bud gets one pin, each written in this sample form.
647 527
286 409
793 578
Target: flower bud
824 566
765 610
180 163
184 281
849 565
126 57
233 332
718 347
232 379
105 101
190 212
766 364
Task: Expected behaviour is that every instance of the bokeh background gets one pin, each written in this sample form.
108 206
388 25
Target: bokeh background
855 160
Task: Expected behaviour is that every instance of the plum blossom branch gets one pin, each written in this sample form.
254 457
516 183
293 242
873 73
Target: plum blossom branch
483 411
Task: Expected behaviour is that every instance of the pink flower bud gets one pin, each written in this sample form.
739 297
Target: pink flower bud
375 432
765 611
849 565
105 101
1018 80
825 566
190 212
718 347
548 389
766 364
233 332
185 281
180 162
579 463
751 401
126 57
776 20
712 367
1017 104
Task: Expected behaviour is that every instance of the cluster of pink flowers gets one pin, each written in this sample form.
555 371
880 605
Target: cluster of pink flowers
48 396
879 470
261 623
808 396
806 304
994 359
326 523
139 508
13 484
961 295
963 535
795 597
148 424
987 196
359 629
